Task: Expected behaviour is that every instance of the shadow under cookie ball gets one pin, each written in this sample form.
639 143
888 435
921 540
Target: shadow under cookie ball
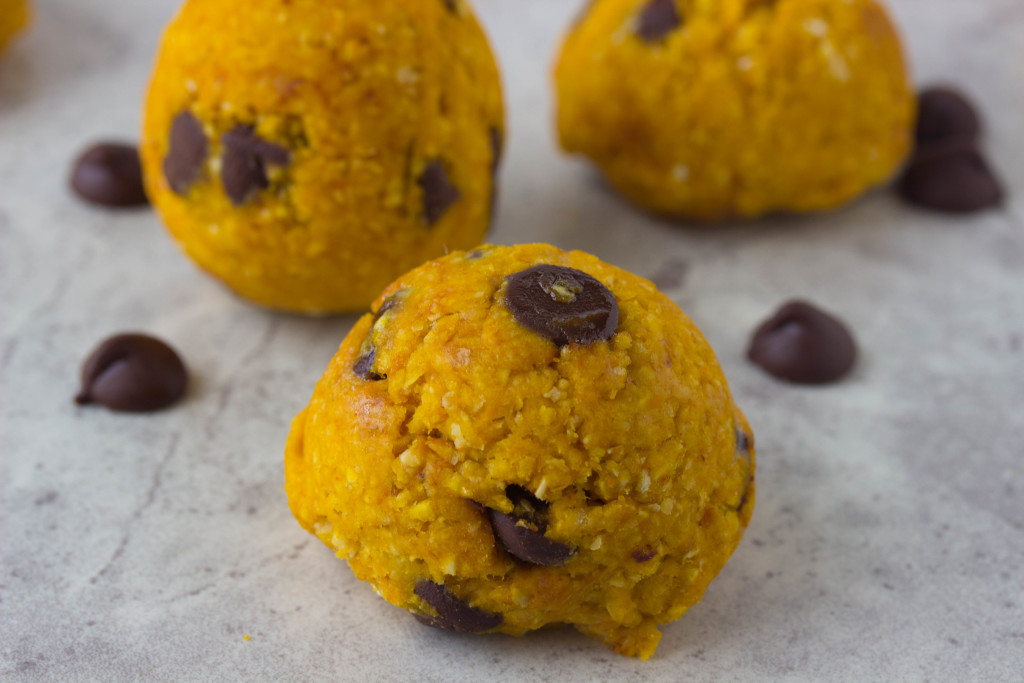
738 107
521 436
307 153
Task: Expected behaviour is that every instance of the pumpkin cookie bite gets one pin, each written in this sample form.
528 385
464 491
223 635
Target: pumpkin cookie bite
521 436
14 16
306 153
736 107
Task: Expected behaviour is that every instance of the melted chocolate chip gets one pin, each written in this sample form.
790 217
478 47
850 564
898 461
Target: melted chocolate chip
525 541
644 555
186 152
133 373
951 177
438 192
562 304
657 19
804 345
453 613
945 114
244 167
109 174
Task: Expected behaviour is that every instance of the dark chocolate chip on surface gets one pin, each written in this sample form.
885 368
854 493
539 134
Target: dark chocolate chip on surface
950 177
243 170
453 613
364 366
109 174
804 345
945 114
657 19
186 152
133 373
525 541
438 192
644 555
562 304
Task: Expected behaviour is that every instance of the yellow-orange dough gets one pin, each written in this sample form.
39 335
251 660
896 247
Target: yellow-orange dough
14 15
736 107
633 442
354 112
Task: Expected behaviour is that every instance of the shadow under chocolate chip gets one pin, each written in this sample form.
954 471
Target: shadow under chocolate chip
657 19
133 373
244 166
453 613
562 304
186 152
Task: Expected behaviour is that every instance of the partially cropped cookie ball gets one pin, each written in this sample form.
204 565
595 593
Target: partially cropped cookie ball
307 153
739 107
521 436
14 15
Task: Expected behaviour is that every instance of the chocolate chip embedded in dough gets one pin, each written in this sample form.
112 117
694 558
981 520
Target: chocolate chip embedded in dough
186 152
804 345
657 19
364 366
133 373
562 304
109 174
950 177
438 192
526 541
453 613
644 555
243 170
944 114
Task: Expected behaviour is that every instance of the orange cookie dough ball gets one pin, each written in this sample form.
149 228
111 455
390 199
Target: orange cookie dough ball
14 15
308 152
715 108
521 436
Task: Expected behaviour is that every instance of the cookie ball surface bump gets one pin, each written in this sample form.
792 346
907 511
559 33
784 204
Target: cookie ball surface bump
521 436
307 153
738 107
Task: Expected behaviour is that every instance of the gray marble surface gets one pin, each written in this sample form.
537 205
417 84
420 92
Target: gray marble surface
888 540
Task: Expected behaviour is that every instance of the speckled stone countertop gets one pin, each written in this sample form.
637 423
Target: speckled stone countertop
888 540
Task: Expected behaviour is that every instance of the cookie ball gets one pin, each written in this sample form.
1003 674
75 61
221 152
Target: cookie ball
307 153
738 107
14 16
521 436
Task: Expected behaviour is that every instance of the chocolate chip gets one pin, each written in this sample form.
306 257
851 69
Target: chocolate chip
644 555
452 5
438 192
525 541
743 442
186 152
109 174
497 149
804 345
243 170
657 19
453 613
951 177
563 304
944 114
133 373
364 366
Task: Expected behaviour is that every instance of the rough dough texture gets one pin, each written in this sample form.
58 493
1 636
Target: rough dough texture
14 15
741 108
633 443
365 137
